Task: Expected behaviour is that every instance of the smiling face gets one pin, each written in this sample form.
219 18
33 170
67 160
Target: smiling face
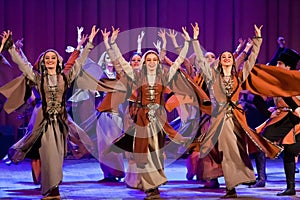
135 61
151 62
51 60
226 59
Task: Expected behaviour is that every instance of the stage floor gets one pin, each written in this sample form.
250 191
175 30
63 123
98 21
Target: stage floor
81 176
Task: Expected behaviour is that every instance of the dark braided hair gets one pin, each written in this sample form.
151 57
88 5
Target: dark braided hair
44 74
220 69
159 74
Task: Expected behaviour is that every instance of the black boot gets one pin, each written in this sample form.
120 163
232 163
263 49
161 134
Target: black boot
230 194
53 194
289 169
260 160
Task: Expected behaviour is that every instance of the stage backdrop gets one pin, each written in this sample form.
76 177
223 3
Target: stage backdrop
52 24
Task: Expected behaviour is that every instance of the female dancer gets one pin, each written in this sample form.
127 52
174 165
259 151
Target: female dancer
145 138
50 129
229 129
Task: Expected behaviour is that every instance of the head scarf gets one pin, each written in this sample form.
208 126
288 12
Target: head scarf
39 64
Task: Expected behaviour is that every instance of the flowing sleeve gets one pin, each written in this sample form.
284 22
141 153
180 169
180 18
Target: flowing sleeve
115 61
239 61
272 81
179 60
15 92
24 66
123 63
250 62
74 71
71 60
201 62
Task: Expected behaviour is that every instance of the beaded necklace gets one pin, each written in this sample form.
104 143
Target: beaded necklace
228 84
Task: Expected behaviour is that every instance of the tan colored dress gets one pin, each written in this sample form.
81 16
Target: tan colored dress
50 128
229 129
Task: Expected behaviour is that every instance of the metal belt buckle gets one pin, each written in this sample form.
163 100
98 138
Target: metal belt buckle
152 108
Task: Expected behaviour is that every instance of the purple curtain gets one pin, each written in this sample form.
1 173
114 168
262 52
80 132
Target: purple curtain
52 23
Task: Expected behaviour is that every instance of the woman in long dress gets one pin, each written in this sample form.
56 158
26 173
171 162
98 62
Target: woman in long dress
146 136
50 129
229 129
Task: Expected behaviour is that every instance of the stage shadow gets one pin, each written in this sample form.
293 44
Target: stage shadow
25 192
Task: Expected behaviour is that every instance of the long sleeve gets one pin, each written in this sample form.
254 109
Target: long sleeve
24 66
239 61
71 60
115 61
22 55
162 55
74 71
139 47
179 60
250 62
201 62
124 64
186 63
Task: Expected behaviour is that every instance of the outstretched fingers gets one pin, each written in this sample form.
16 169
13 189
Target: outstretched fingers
185 34
114 34
94 32
257 30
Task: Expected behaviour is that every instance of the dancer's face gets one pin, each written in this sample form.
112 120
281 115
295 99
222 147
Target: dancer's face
282 65
151 62
226 59
107 59
210 57
135 61
50 60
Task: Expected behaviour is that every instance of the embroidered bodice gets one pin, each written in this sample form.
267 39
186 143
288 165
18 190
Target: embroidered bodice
227 82
54 89
151 94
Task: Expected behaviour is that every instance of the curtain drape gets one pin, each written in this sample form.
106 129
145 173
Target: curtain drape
52 23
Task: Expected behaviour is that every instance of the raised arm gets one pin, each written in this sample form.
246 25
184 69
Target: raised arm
79 34
179 60
186 63
70 49
19 46
163 52
200 61
139 42
243 55
118 55
23 65
172 34
157 46
250 62
76 52
239 48
74 71
110 52
162 55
